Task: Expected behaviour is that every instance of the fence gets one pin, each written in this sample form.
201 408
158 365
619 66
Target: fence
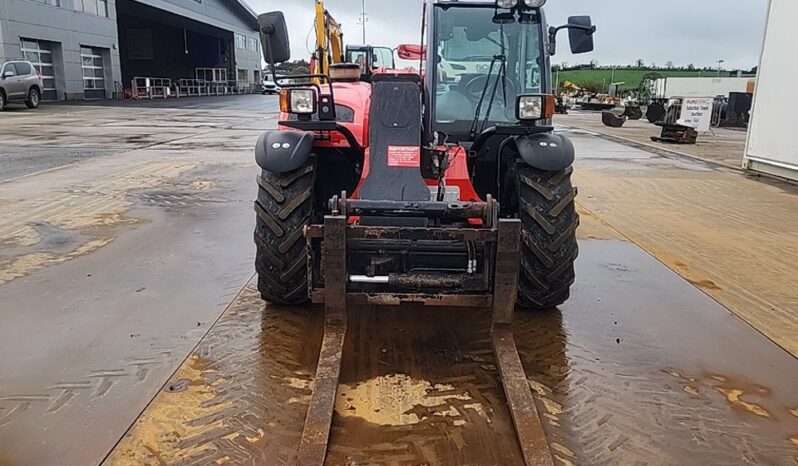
150 88
162 88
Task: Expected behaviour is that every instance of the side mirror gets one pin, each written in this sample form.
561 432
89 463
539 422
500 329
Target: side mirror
412 52
580 34
274 37
9 74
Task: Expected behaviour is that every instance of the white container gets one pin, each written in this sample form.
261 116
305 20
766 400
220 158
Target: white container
771 146
668 88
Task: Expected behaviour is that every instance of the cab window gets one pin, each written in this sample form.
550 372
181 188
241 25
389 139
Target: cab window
383 57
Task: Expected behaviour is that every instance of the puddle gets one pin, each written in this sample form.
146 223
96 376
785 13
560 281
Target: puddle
398 400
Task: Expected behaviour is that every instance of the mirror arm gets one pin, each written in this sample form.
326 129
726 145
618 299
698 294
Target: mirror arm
553 39
269 31
272 68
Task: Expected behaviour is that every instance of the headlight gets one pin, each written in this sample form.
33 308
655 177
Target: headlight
303 101
298 101
534 3
506 3
535 107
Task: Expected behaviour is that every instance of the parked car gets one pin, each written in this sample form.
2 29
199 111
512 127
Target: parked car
270 86
20 81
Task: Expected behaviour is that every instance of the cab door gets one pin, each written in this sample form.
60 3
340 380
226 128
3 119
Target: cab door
14 84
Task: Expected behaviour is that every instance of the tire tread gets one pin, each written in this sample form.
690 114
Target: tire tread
548 238
284 208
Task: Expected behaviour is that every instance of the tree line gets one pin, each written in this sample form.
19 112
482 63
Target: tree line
639 65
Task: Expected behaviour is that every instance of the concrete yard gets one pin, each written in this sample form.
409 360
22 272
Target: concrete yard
720 146
133 334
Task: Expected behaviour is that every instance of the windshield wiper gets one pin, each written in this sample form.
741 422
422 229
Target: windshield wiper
501 75
475 122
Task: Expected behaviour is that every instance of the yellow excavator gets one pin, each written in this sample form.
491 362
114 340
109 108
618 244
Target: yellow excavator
330 49
329 42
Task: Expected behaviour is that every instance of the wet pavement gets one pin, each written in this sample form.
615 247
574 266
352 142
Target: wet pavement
721 147
639 367
730 235
114 270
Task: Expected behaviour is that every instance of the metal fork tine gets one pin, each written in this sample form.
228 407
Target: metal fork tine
316 433
525 415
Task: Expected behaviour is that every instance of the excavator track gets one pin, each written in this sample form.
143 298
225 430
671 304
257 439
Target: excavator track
520 401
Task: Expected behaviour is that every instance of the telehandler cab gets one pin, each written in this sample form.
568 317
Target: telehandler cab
446 187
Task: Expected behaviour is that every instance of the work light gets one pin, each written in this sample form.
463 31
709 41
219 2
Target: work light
534 3
535 107
298 101
506 3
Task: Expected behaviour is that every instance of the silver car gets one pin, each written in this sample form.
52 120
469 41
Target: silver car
20 81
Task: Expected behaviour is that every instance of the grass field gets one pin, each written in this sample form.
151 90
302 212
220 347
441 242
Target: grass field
630 78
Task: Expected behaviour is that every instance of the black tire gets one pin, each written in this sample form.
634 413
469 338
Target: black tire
2 101
34 97
546 206
284 207
655 112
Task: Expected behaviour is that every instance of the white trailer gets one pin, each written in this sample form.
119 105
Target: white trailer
771 146
668 88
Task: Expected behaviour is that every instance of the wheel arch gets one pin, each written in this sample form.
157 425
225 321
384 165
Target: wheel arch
546 151
283 151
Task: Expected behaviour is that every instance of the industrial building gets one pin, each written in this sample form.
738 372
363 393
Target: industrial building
86 49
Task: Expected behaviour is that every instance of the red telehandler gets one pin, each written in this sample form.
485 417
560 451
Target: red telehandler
447 187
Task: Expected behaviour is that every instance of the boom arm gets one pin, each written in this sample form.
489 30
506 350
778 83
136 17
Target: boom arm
329 41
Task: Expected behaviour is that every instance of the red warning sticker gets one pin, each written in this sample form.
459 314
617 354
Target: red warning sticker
404 156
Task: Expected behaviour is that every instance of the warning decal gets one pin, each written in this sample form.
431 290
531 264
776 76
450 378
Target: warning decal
404 156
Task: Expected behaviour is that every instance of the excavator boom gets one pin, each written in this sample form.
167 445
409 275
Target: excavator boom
329 41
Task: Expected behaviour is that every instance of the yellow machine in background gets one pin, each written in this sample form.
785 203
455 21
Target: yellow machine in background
329 41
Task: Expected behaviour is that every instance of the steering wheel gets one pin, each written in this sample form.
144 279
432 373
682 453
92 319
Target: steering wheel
474 87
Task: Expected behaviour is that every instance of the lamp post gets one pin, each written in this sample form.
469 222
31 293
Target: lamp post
720 62
363 20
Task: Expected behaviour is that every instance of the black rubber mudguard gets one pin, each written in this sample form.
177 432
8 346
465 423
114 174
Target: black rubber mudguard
395 140
546 151
283 151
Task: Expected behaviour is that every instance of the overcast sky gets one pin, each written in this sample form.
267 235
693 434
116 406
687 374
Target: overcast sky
683 31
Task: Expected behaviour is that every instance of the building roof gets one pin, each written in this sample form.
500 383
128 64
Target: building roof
249 10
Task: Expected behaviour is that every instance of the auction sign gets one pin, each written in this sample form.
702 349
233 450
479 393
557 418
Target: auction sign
697 113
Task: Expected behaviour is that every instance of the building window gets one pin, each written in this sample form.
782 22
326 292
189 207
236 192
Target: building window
252 44
93 72
256 75
241 41
243 76
40 54
49 2
92 7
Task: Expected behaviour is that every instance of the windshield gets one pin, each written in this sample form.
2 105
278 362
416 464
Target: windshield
468 43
